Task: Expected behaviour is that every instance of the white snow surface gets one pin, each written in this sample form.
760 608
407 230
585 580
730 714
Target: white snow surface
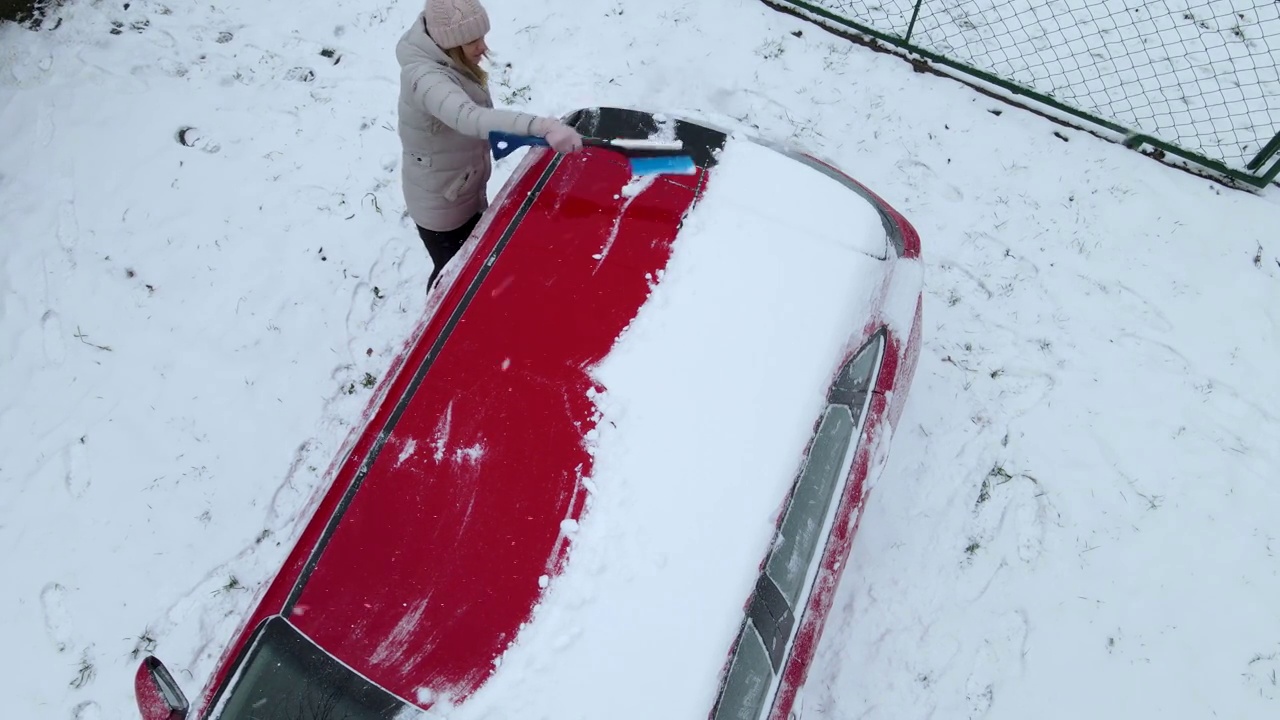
1078 513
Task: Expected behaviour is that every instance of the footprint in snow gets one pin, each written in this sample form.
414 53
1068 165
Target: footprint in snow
118 27
191 137
1011 514
76 474
300 74
68 232
387 276
45 125
1001 656
87 710
1028 516
57 621
168 66
54 344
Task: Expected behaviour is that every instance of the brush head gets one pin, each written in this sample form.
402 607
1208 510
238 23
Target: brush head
671 165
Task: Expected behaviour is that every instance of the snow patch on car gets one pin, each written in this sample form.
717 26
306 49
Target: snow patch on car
406 452
440 439
902 295
638 184
470 455
394 645
797 202
631 191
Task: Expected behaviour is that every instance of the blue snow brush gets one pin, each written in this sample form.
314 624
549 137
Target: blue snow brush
646 157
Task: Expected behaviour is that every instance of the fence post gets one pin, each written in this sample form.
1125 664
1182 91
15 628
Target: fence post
911 25
1270 149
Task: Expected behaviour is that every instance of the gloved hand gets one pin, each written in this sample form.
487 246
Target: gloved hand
561 137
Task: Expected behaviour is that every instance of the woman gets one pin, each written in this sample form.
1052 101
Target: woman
446 115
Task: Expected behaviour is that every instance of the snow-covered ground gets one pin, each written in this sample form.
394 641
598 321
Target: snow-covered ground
1077 518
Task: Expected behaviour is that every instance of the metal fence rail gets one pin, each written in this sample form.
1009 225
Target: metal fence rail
1197 79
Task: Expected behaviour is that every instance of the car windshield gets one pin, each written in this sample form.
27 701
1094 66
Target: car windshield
285 676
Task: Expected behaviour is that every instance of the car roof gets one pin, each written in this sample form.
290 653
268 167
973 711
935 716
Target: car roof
438 556
690 464
465 516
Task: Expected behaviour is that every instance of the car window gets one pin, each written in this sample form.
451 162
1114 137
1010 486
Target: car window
285 676
750 677
773 618
827 464
766 633
801 530
856 378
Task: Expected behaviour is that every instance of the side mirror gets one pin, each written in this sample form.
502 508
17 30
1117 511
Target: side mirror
159 697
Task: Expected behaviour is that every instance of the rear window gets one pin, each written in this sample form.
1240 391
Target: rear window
285 676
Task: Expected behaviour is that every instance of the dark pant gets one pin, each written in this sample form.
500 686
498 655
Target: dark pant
442 246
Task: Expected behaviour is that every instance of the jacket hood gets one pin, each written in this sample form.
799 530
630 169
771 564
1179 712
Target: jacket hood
416 46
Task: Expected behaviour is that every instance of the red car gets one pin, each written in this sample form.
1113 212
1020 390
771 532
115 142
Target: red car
425 584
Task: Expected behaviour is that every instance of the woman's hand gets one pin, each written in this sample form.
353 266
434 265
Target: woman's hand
561 137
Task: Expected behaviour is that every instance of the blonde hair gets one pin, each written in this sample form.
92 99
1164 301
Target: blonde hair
476 71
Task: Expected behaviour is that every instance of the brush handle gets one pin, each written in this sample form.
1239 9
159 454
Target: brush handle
666 163
503 144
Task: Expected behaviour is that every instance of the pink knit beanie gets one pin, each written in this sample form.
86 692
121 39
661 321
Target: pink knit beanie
453 23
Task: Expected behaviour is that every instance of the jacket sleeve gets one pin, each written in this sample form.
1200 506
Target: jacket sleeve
437 93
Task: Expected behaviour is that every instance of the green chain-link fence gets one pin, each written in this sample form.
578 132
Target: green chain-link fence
1197 79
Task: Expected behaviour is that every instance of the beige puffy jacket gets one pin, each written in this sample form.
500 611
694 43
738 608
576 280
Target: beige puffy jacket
445 120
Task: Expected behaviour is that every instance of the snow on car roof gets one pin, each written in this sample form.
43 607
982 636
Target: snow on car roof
711 395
